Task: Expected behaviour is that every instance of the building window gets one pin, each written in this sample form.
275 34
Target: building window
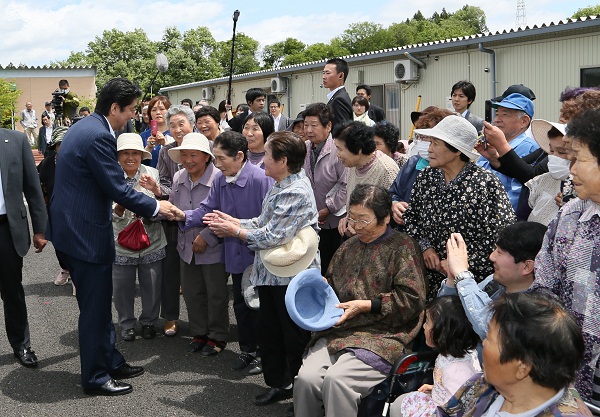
590 77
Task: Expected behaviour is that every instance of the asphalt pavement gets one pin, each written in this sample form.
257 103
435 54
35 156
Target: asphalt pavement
175 383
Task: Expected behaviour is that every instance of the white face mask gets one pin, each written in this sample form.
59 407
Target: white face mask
559 168
422 147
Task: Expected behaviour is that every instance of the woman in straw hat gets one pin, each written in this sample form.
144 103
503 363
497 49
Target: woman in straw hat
147 263
455 195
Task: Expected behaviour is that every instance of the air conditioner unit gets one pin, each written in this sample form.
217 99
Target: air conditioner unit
208 93
278 85
405 70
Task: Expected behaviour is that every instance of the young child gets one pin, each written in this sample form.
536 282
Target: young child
448 330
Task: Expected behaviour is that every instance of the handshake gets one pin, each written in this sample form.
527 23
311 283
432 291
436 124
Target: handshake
170 211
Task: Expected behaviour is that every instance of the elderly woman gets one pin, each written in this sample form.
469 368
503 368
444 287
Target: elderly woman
356 148
157 110
454 195
568 261
208 122
203 276
257 128
530 355
327 176
238 190
181 122
378 277
288 207
387 138
147 263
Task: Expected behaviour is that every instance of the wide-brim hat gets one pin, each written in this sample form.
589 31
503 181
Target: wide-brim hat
311 302
414 116
516 88
132 141
540 129
293 257
516 101
191 142
249 291
58 133
456 131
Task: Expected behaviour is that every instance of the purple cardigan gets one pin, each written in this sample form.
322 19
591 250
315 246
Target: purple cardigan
329 173
241 199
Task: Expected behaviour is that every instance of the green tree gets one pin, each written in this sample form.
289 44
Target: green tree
316 52
274 54
8 99
587 11
244 60
365 37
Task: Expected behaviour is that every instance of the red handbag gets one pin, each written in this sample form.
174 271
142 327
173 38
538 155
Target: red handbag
134 236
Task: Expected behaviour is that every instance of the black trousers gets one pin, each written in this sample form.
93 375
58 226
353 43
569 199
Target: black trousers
171 274
329 241
282 342
246 318
11 290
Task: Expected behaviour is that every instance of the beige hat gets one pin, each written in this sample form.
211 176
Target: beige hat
132 141
293 257
540 129
191 142
456 131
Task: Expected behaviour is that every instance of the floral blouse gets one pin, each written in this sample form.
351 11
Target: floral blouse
474 204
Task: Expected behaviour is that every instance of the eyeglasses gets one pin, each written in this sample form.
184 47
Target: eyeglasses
362 223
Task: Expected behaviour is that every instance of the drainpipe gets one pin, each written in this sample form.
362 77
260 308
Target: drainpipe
492 65
416 60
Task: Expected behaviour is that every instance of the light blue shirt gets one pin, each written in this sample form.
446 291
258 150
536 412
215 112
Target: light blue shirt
522 145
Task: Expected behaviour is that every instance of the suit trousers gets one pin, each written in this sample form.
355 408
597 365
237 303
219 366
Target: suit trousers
11 290
332 385
207 299
171 281
97 334
281 341
246 318
149 277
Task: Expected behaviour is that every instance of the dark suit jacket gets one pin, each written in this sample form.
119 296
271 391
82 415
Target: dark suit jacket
476 121
284 122
17 164
42 145
341 106
88 179
376 113
237 122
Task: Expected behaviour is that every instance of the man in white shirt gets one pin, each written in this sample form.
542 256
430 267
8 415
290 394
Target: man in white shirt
29 123
281 122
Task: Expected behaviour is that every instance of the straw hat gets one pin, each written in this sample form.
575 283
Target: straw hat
456 131
293 257
311 302
540 129
132 141
191 142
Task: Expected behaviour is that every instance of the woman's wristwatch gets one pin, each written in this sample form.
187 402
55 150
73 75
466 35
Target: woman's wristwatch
462 275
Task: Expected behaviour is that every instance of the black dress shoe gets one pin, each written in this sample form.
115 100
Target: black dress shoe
126 371
110 387
27 357
148 331
128 335
273 395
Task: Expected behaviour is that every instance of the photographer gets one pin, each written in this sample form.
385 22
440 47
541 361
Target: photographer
65 103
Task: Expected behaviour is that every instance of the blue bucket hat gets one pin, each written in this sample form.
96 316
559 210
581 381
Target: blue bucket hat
516 101
311 302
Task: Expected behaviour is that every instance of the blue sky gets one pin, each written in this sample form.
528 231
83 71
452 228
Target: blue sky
35 33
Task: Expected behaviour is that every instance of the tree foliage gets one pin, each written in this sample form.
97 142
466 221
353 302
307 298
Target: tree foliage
273 55
8 99
587 11
246 50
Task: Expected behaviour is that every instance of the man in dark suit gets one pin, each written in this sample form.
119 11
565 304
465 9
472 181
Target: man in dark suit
88 179
45 136
255 97
17 164
334 77
376 113
281 122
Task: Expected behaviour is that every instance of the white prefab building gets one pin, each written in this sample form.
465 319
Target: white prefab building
547 59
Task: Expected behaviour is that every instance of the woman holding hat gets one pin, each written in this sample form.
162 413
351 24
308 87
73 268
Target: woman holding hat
147 263
455 195
203 276
378 276
285 233
47 169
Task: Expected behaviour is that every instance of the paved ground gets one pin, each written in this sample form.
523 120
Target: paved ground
175 383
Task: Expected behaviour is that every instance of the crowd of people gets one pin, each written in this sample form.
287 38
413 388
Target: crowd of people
479 238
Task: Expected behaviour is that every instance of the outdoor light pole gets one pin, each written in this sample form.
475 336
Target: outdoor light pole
236 15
